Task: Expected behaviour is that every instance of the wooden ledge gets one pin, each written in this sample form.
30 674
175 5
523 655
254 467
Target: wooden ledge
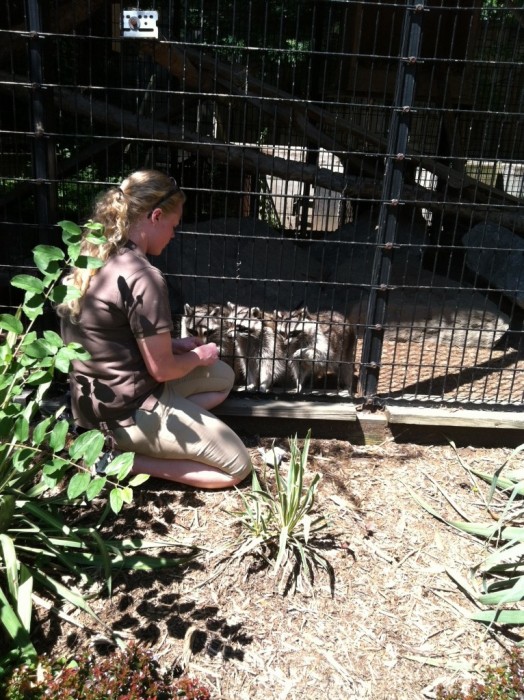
296 410
460 418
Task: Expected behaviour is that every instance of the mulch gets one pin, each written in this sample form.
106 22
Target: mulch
394 625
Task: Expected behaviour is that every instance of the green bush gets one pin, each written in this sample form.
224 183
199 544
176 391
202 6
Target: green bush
132 674
45 470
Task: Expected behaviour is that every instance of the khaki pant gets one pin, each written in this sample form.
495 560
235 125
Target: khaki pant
176 428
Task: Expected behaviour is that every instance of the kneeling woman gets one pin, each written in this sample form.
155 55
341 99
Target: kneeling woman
150 392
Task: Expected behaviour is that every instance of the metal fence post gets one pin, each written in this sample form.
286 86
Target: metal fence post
40 143
391 199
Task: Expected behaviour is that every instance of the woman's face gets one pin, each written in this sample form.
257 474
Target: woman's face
162 229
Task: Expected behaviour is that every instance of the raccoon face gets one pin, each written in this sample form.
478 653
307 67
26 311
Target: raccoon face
204 322
243 321
297 326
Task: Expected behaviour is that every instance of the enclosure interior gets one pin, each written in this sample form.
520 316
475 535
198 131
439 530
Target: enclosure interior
354 174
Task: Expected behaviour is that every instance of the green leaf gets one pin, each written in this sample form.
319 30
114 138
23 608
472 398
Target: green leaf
33 306
29 283
7 509
115 500
40 376
68 353
22 459
55 466
138 479
53 339
88 262
58 436
40 430
44 255
87 446
25 591
121 465
73 251
66 593
127 494
37 350
78 485
95 488
11 323
500 617
15 629
21 431
70 230
64 293
10 564
96 239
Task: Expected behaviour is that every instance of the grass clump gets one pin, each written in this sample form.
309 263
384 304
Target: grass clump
281 524
132 674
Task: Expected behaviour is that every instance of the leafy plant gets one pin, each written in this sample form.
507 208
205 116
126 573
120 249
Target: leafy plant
281 526
44 468
505 682
502 570
132 674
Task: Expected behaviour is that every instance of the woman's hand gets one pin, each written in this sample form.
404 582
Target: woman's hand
208 353
182 345
164 362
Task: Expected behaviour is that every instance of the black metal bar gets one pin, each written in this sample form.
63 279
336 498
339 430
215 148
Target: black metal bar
39 144
391 199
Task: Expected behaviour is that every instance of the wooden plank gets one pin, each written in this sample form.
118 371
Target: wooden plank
295 410
400 424
466 418
367 429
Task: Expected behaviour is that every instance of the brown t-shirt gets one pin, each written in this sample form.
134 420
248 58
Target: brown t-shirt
126 299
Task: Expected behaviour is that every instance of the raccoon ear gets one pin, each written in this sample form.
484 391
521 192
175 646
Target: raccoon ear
188 310
215 310
256 312
300 313
230 305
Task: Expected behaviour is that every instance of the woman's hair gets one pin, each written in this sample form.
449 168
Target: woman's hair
117 209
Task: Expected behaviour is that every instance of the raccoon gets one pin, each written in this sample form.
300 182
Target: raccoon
317 346
259 353
209 323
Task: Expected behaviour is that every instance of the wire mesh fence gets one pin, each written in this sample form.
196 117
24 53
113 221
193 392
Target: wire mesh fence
354 173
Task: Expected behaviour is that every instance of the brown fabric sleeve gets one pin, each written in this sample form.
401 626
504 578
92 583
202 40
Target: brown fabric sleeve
147 301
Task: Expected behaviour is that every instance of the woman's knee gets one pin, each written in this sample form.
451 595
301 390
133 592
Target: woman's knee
223 372
242 466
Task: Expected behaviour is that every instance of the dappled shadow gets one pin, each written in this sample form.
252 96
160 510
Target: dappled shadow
451 382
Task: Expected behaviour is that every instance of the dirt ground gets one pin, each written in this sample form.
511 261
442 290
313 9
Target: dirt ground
394 627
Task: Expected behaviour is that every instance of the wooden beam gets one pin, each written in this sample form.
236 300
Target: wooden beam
276 408
464 418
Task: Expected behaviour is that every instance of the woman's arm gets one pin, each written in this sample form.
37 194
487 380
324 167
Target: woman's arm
163 365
